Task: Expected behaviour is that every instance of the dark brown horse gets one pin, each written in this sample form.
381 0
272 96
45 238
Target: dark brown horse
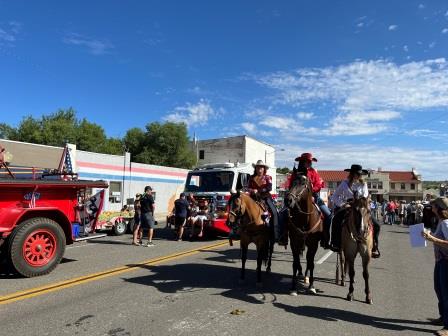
246 214
357 237
305 228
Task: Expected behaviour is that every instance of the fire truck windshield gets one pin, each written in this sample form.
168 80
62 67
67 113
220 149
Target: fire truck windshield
209 181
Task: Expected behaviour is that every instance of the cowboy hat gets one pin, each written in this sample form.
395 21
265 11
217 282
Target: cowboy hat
356 168
260 163
441 203
306 157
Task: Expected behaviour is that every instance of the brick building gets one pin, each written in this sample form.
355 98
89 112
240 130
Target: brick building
383 185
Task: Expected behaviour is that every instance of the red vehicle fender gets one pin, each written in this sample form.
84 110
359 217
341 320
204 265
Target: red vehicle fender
19 215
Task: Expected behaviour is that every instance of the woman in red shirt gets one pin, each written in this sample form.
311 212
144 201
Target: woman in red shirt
260 187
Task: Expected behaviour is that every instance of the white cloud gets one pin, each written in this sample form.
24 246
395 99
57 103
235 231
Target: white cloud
279 123
95 47
421 6
444 30
341 156
360 25
364 96
393 27
405 48
9 32
432 45
305 115
197 114
249 127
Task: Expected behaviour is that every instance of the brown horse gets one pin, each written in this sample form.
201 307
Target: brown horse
357 237
305 228
246 214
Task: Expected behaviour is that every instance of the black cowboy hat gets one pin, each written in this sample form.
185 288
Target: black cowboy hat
357 169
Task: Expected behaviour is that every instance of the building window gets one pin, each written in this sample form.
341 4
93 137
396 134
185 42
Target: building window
115 192
201 154
403 186
338 183
369 185
380 185
412 186
392 185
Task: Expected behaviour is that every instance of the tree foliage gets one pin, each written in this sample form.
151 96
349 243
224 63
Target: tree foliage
284 170
164 144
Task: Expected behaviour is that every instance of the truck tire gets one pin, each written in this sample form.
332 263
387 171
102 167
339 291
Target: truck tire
36 246
120 227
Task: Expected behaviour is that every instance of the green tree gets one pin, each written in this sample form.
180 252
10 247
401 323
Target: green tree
166 144
7 132
30 130
134 140
284 170
59 128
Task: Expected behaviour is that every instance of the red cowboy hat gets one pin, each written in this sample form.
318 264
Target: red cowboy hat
306 157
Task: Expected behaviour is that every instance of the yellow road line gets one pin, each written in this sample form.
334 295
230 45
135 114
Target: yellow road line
36 291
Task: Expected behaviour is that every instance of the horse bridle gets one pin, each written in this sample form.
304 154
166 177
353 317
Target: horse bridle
298 197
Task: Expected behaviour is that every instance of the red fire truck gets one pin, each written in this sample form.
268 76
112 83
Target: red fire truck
37 215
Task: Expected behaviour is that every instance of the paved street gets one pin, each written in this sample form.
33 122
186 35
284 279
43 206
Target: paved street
195 293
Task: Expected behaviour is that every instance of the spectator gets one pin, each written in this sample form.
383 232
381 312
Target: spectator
180 215
390 210
440 241
383 210
419 212
201 215
137 234
402 212
147 221
411 212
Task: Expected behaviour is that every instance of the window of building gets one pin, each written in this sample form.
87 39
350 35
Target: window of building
412 186
115 192
374 185
369 185
403 186
201 154
339 183
380 185
392 185
331 185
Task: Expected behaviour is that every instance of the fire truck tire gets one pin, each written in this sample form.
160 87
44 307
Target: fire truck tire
120 227
36 246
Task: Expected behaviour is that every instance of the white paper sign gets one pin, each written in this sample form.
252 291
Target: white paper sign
415 235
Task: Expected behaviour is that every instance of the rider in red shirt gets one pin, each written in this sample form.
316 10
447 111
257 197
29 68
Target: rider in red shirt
305 168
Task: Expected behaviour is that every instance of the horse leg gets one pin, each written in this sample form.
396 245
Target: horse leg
365 273
260 256
243 261
295 263
310 254
343 267
351 273
271 252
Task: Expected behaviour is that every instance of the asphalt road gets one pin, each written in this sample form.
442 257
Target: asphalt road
136 293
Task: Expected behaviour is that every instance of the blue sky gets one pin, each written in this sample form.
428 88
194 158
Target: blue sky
351 81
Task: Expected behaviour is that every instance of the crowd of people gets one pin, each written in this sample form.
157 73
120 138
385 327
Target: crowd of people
398 212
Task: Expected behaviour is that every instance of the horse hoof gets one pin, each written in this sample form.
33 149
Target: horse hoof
312 290
350 297
369 300
306 280
259 285
293 293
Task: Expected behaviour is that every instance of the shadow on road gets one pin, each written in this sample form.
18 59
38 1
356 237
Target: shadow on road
336 315
195 277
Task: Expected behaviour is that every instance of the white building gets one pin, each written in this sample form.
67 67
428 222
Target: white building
243 149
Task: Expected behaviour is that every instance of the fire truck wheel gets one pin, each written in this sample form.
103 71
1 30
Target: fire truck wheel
36 246
120 227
